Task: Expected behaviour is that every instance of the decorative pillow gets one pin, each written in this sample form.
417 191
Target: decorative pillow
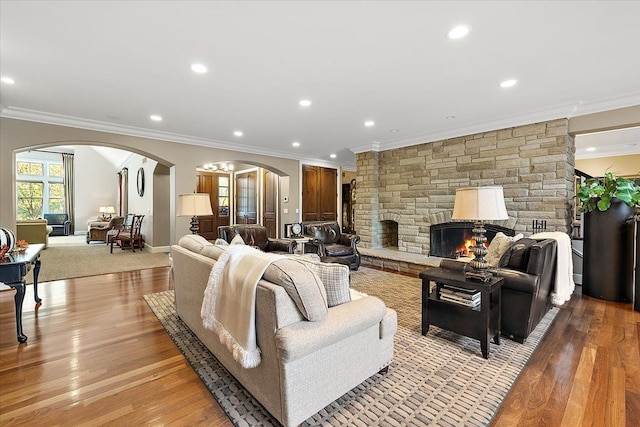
237 240
498 247
214 251
335 278
303 286
221 242
194 242
517 256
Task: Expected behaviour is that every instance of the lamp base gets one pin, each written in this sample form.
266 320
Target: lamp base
195 226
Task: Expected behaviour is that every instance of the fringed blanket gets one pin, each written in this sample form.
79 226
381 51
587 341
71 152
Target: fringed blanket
229 303
564 285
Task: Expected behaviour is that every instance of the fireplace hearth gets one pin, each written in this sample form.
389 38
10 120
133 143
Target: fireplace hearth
448 239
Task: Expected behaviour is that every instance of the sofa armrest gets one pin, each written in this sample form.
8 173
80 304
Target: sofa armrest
518 281
67 227
282 245
321 249
349 240
343 321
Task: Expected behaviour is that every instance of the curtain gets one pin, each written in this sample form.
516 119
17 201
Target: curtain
69 189
123 192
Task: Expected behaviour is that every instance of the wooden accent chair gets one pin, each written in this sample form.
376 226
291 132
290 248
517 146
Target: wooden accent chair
129 236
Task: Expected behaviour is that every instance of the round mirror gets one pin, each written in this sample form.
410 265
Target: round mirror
141 182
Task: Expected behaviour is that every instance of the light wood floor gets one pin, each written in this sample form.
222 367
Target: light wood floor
97 355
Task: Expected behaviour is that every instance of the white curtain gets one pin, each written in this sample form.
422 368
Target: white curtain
69 189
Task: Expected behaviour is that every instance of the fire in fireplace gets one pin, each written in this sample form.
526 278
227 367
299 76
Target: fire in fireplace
454 239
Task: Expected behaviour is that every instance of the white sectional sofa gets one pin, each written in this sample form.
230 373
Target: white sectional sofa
305 365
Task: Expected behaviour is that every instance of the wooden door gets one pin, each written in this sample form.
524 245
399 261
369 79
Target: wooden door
246 198
217 186
270 203
319 193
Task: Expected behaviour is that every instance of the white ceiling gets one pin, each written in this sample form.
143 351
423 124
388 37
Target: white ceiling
110 65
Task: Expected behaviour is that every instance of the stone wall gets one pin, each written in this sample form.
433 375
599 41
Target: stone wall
533 163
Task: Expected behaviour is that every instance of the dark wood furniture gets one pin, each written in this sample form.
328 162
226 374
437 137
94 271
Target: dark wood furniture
13 269
130 235
481 323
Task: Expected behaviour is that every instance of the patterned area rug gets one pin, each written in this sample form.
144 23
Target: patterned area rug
438 379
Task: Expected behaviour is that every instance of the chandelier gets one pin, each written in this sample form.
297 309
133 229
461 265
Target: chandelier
225 167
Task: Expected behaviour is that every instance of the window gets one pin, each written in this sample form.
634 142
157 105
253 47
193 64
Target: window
40 188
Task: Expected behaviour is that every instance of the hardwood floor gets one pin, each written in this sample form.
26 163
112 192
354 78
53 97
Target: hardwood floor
97 355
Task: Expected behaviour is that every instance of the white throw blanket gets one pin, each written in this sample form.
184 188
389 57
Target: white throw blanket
564 285
229 303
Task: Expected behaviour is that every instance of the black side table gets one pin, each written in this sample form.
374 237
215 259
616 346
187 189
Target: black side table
481 323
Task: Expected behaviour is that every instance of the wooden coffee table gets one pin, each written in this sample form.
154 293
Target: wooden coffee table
481 323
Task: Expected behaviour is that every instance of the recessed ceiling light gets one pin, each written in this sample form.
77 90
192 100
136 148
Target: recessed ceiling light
238 133
198 68
333 156
508 83
591 149
304 103
369 123
451 117
155 118
8 80
394 130
458 32
295 144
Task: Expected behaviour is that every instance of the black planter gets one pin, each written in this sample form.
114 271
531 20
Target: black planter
609 253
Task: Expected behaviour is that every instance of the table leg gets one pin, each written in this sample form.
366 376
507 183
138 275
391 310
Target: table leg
485 305
496 339
19 298
425 302
36 272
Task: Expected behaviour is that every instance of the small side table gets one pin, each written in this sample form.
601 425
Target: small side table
12 272
481 323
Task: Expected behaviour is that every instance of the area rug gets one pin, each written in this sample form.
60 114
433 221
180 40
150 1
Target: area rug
79 261
438 379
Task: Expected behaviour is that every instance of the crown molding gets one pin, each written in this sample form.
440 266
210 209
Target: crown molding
94 125
372 146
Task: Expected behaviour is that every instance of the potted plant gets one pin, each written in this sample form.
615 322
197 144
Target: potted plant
599 193
609 204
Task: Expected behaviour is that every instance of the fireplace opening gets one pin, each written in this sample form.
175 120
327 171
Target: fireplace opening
454 239
389 234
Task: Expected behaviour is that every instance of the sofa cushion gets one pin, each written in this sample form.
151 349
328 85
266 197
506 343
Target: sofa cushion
237 240
335 278
221 242
193 242
498 246
516 256
214 251
303 286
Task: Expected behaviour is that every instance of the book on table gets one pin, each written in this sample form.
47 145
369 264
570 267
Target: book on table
460 301
466 294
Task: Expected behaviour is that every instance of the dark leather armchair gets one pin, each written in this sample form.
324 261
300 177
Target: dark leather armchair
327 240
256 236
529 271
60 224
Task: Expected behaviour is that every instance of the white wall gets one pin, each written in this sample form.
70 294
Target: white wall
142 205
96 184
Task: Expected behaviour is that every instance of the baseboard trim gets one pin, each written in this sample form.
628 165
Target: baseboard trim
156 249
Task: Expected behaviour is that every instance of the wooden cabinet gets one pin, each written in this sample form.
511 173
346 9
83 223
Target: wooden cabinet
217 186
319 193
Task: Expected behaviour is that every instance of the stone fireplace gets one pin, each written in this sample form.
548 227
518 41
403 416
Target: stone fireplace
415 186
389 234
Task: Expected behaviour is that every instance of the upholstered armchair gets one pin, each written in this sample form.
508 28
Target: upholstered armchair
98 230
256 235
60 224
327 240
33 231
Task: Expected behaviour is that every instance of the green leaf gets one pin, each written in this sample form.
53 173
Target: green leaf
604 204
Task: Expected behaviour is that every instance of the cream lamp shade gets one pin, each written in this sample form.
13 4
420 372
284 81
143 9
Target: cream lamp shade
103 209
109 210
479 204
194 205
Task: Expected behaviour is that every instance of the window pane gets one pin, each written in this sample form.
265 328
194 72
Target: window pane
56 170
29 200
56 198
30 168
223 181
23 168
56 205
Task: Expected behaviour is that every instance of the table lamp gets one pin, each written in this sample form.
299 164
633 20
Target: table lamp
102 210
110 210
194 205
479 204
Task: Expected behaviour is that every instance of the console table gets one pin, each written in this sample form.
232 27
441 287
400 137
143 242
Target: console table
481 323
13 269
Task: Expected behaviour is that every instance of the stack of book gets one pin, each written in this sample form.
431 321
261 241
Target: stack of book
466 297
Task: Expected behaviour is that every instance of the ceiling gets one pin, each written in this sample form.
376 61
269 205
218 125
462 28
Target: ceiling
110 65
